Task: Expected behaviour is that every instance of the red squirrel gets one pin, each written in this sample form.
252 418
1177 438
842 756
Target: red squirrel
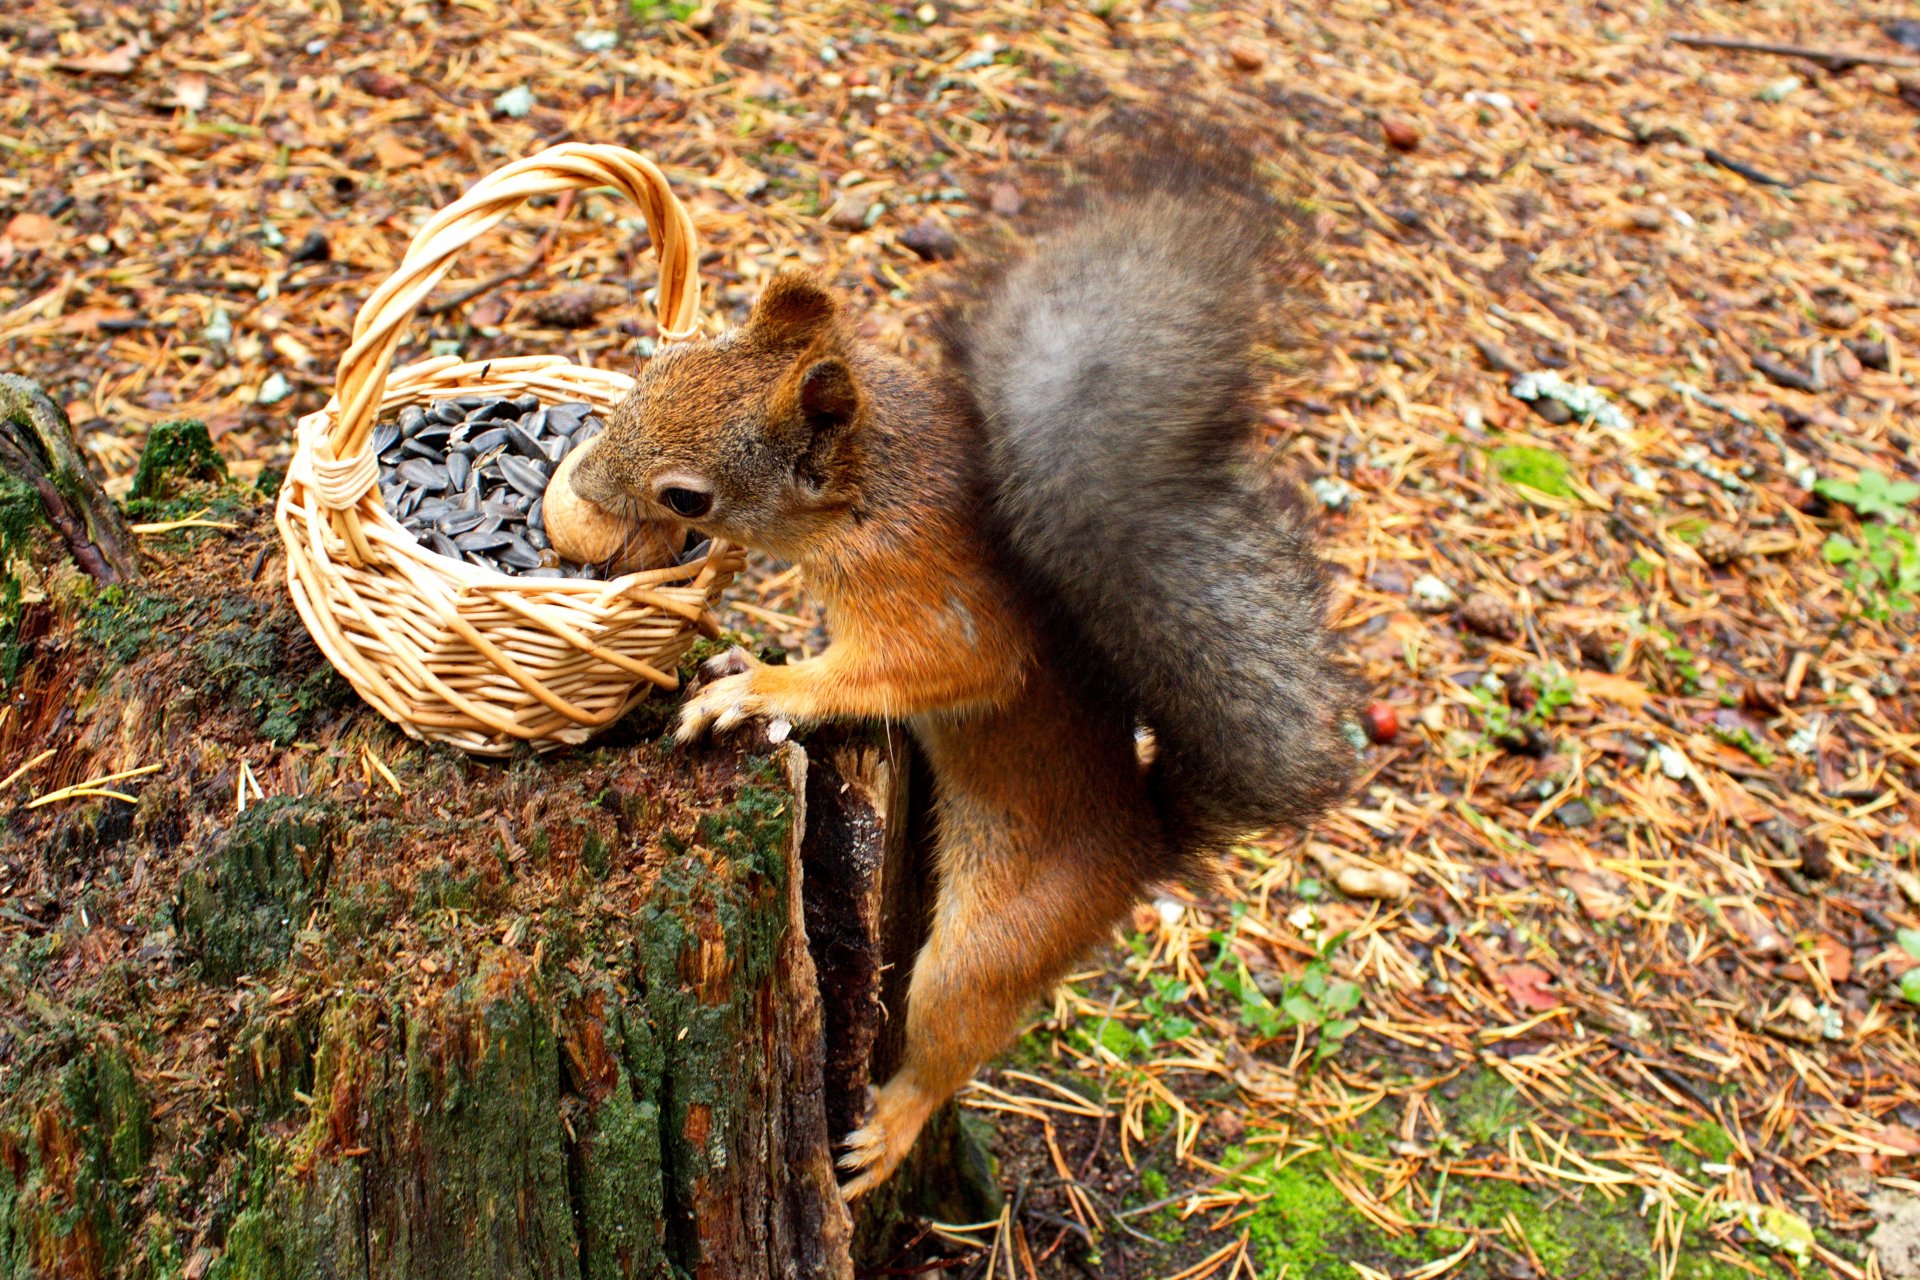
1057 541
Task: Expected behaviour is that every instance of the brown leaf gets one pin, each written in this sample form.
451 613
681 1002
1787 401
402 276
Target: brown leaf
1833 956
1897 1136
114 62
1601 896
1530 987
390 153
1400 134
1623 690
30 229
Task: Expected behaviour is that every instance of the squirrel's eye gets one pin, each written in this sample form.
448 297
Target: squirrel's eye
690 503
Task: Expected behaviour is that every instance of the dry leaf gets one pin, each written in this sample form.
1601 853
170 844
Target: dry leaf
1601 895
27 230
1530 987
1628 693
390 153
114 62
1834 958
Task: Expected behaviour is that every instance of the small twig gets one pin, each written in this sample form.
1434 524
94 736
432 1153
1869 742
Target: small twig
1784 375
1744 169
456 300
1831 59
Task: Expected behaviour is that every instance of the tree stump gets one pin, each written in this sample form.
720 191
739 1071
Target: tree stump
306 998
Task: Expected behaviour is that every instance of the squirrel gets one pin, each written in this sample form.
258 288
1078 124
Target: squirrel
1029 557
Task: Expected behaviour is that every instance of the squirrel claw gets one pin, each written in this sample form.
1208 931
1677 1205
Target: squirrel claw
873 1151
736 661
720 706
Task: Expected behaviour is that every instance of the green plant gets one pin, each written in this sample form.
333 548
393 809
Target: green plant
1909 982
1675 664
1317 1000
1883 569
1504 723
1871 495
1742 739
664 10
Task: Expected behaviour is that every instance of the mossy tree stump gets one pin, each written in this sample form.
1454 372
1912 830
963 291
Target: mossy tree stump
322 1001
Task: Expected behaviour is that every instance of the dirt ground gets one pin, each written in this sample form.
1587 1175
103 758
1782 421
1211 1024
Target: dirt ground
1608 968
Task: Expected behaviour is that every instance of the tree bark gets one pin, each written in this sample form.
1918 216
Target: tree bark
321 1001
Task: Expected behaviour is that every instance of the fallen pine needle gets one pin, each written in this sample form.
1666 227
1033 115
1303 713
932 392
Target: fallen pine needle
34 763
92 787
190 522
379 766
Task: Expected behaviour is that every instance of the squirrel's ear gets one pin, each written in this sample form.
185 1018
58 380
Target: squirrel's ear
792 311
829 397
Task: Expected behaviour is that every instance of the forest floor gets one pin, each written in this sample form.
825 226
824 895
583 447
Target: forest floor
1609 968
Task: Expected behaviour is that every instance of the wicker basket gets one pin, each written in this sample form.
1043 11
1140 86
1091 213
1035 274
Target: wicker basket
449 651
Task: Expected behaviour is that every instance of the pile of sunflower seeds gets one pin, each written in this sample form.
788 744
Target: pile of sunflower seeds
466 477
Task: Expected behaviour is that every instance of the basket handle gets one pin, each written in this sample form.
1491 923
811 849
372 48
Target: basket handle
350 474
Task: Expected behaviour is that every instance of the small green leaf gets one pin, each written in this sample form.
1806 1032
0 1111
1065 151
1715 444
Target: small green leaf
1338 1029
1910 986
1909 940
1303 1011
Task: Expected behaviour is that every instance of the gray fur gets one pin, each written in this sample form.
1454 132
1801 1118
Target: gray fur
1113 368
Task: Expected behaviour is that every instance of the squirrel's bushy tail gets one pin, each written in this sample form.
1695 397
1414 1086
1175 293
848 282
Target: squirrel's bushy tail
1115 370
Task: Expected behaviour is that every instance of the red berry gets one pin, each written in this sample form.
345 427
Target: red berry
1382 721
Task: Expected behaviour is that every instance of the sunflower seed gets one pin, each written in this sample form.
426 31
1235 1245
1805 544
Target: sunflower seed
459 466
529 478
385 436
446 411
460 521
443 545
566 418
412 418
524 444
474 540
519 554
492 438
424 474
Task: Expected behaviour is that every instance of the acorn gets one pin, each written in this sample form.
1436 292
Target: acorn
588 533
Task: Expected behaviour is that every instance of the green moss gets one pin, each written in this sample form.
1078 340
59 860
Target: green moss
238 909
178 450
122 624
1713 1143
615 1164
1487 1110
246 662
70 1163
20 514
1306 1229
1527 467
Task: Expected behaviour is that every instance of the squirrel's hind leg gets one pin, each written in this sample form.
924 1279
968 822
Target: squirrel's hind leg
1015 909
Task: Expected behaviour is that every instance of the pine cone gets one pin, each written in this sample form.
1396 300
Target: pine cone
1489 615
1720 545
574 308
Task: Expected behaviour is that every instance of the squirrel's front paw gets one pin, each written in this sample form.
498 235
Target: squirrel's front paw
725 702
